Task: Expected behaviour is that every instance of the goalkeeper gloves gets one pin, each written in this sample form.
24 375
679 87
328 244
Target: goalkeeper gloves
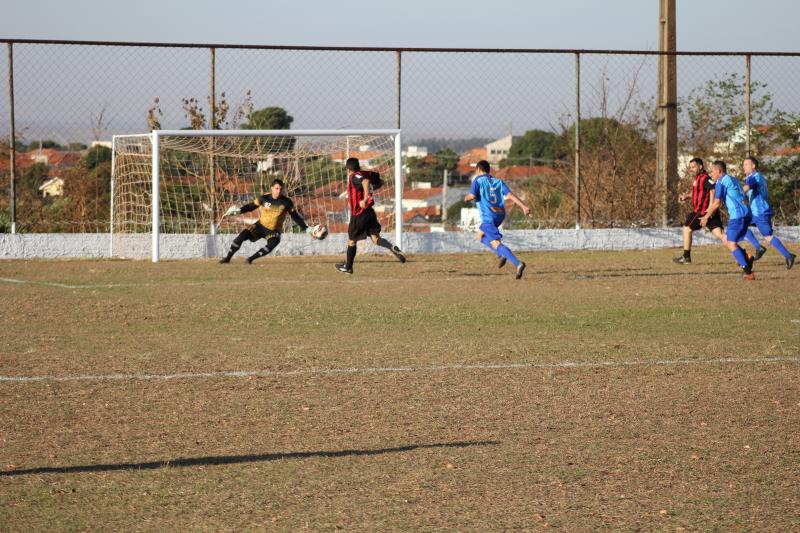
232 210
310 230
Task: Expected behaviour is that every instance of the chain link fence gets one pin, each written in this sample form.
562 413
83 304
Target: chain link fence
516 108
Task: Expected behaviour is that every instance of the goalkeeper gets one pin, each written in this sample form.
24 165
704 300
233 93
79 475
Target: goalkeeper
274 208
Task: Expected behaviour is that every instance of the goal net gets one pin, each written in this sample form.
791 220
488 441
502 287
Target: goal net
170 189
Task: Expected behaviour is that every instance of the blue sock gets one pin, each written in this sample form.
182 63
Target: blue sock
504 251
752 239
741 258
778 245
486 242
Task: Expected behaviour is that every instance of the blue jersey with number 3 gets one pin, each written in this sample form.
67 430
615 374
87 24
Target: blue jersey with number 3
490 193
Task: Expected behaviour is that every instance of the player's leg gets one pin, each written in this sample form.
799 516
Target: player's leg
245 235
505 252
272 242
764 225
734 233
383 243
691 225
759 249
350 257
686 258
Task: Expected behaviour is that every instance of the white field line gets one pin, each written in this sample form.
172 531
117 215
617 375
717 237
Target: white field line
67 285
271 281
383 370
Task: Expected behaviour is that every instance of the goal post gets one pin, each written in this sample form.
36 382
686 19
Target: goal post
175 185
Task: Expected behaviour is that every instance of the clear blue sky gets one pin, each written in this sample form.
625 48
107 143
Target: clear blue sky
718 25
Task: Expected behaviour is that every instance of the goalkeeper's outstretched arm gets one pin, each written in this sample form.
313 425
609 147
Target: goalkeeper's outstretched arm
299 221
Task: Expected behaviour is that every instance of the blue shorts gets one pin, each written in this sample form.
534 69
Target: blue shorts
764 224
737 227
491 232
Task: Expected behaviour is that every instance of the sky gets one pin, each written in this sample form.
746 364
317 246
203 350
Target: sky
703 25
62 91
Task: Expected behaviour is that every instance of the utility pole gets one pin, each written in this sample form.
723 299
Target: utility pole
667 112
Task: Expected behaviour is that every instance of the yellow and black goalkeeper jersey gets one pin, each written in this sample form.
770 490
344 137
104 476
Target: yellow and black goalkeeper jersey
274 211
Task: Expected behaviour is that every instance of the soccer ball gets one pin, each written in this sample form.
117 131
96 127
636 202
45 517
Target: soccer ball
319 232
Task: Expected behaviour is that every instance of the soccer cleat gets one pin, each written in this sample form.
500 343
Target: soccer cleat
520 270
501 263
224 260
250 260
682 260
748 269
760 252
749 277
341 267
398 254
790 261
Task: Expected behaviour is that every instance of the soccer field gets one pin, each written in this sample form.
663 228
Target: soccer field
603 390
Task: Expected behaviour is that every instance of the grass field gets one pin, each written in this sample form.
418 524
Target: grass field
605 390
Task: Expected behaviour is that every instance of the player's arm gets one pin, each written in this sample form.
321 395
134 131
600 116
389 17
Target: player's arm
514 198
713 206
298 219
748 184
473 192
714 202
365 188
246 208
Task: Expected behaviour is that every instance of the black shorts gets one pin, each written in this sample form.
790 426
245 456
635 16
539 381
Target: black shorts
257 231
693 221
363 225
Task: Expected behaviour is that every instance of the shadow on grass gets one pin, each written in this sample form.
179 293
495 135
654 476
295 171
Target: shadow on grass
235 459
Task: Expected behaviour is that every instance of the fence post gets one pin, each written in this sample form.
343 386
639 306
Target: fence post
399 84
747 105
212 170
577 140
12 140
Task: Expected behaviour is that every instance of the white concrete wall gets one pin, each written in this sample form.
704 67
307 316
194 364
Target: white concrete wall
96 245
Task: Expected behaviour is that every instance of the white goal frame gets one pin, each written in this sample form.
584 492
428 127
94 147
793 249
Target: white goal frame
156 136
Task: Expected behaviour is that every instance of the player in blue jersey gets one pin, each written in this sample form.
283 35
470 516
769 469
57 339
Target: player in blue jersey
489 194
729 190
755 186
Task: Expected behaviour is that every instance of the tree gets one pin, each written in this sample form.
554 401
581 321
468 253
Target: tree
535 144
714 117
272 118
431 168
617 172
269 118
95 155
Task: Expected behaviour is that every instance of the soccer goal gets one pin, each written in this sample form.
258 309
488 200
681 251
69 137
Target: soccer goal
170 189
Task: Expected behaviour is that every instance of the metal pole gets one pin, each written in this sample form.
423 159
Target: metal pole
398 191
211 166
156 195
577 140
399 84
747 104
444 195
113 187
12 140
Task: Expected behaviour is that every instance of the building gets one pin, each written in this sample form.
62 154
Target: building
52 187
498 150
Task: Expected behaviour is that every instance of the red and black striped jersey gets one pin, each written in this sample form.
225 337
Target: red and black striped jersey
701 190
355 190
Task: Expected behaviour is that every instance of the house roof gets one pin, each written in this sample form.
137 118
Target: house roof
468 159
420 194
425 213
520 172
